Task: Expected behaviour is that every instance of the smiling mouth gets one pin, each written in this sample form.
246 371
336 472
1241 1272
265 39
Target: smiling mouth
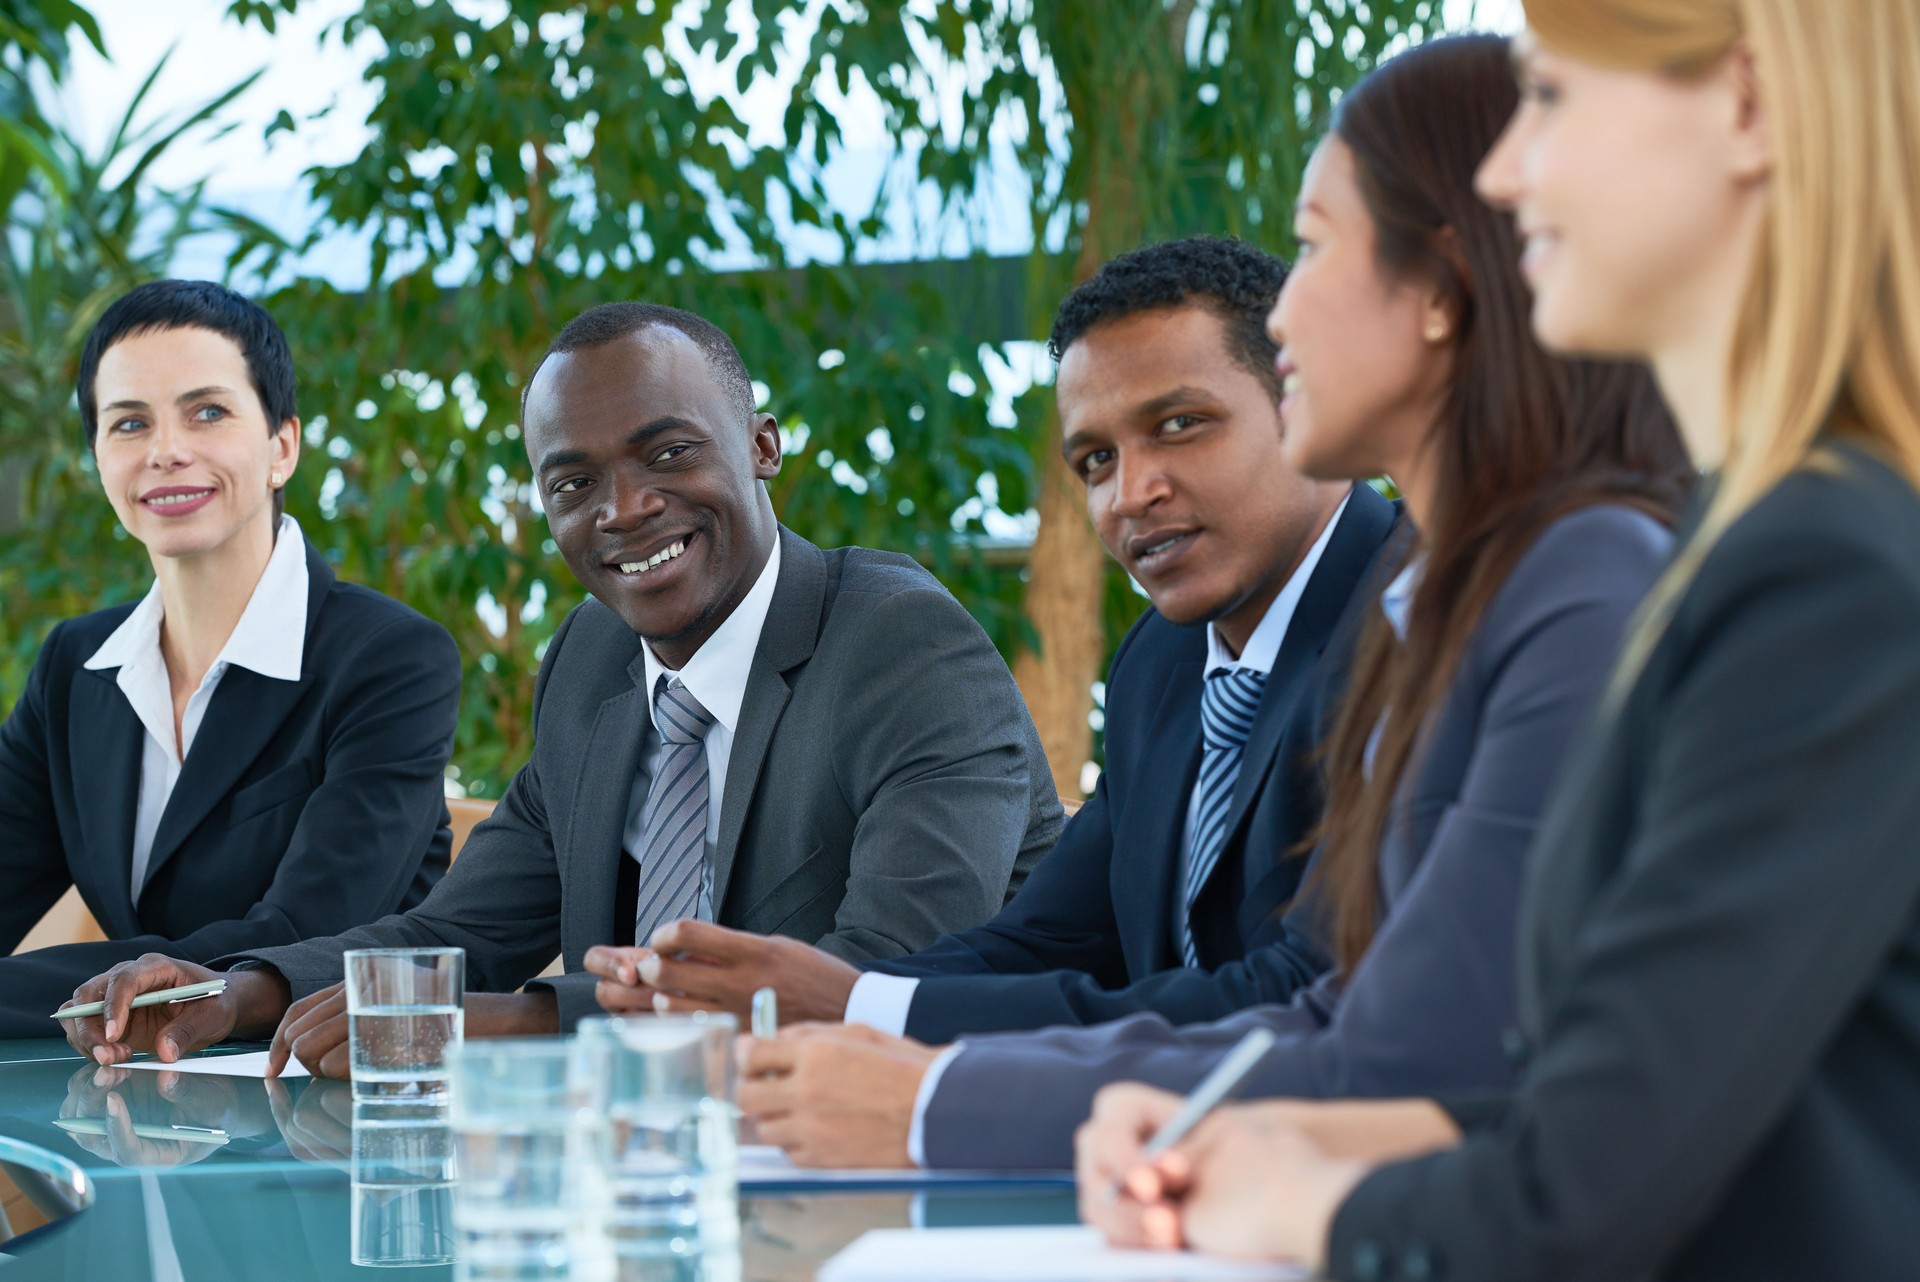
1161 549
673 551
177 498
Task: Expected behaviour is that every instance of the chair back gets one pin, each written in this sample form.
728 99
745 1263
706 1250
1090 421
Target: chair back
67 922
466 812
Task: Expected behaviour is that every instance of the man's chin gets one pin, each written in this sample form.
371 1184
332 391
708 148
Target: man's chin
1190 604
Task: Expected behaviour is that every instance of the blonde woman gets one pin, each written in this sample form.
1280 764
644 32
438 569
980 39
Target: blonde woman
1720 947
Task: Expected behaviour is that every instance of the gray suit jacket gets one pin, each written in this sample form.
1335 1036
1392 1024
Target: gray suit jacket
1427 1007
886 785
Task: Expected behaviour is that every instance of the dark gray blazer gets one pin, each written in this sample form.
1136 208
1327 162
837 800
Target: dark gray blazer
886 785
1720 946
1425 1009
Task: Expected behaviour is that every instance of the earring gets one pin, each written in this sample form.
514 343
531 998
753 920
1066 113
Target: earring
1437 332
273 479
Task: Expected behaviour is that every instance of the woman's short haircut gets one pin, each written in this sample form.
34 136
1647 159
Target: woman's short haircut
194 304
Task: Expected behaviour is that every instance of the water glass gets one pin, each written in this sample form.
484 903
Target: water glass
403 1016
531 1201
402 1185
668 1101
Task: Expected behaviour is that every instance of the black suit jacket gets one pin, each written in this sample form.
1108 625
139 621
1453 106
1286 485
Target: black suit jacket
886 784
1100 912
1720 945
304 807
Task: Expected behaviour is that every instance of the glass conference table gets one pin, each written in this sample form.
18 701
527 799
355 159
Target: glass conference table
182 1177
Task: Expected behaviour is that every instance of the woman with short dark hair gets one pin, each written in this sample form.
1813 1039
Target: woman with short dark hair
253 753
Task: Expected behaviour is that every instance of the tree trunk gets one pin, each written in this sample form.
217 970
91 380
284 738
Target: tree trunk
1066 580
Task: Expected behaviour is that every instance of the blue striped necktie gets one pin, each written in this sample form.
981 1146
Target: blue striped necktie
1228 701
673 849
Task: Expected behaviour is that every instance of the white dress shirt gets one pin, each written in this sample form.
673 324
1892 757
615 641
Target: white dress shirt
270 639
885 1001
716 675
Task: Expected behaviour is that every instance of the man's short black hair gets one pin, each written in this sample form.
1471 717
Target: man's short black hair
194 304
609 321
1228 277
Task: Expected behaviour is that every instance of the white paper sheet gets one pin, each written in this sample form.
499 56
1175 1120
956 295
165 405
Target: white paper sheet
1069 1253
248 1064
763 1165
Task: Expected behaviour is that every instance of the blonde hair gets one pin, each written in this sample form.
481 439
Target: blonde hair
1829 331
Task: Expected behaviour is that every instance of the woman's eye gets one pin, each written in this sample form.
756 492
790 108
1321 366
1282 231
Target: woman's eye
1539 92
209 414
1303 246
125 425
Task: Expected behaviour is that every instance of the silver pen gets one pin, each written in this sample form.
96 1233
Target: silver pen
765 1021
1219 1086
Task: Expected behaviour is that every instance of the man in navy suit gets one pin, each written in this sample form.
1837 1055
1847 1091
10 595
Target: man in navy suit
1167 892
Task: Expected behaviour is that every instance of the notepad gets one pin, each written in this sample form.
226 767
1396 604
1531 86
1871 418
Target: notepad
764 1167
1068 1253
247 1064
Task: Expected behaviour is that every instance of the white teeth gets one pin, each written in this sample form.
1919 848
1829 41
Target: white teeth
171 500
641 567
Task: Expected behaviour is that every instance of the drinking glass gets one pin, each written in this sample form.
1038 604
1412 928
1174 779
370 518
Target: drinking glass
531 1200
402 1185
668 1101
403 1016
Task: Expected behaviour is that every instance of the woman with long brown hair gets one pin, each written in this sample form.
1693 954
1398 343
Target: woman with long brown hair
1720 949
1538 493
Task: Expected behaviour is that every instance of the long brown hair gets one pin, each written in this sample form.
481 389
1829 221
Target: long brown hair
1522 439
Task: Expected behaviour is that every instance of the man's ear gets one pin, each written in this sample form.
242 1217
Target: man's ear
767 454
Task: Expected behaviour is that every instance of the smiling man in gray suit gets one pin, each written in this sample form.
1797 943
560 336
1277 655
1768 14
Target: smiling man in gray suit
738 727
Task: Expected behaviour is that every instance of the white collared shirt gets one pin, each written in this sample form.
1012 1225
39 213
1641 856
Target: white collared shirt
270 639
885 1001
716 675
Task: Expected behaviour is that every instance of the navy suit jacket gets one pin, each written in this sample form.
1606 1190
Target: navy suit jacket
305 807
1099 913
1426 1008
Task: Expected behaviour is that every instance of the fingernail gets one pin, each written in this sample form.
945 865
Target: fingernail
660 1003
113 1031
100 1054
165 1048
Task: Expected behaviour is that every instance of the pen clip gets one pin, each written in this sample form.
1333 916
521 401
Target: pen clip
181 1001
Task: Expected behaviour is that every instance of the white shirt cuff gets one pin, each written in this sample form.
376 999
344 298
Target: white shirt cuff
917 1132
881 1002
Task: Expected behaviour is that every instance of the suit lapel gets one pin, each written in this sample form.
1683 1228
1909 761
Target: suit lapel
1342 568
786 641
609 770
105 742
245 713
1153 820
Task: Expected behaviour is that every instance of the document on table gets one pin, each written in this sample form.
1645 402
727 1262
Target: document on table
762 1167
1068 1253
247 1064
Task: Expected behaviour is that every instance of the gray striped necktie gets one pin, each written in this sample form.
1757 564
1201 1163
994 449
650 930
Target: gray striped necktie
1228 702
673 847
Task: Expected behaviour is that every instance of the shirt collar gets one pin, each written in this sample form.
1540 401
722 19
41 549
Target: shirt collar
1263 647
270 638
717 673
1396 602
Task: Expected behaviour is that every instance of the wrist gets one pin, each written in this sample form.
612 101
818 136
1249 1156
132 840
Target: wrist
512 1014
260 996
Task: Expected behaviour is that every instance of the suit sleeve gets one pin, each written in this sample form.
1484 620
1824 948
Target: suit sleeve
500 901
1768 880
33 861
928 748
1426 1008
361 835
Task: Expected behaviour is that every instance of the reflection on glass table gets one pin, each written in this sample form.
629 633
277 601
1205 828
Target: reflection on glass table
37 1190
402 1192
142 1118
